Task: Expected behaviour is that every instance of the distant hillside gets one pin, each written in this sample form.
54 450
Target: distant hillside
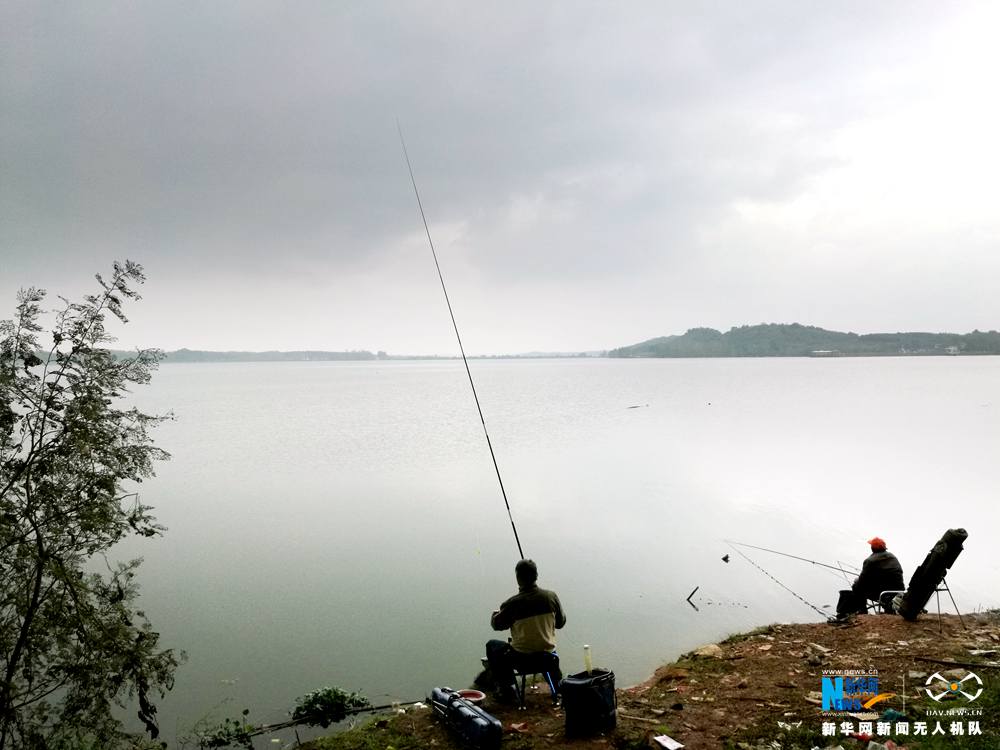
189 355
794 340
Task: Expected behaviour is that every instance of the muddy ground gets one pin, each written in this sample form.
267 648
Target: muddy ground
757 690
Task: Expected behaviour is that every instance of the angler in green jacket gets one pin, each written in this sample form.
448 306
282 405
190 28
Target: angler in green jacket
532 615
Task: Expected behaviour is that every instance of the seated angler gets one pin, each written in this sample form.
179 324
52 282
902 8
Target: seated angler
533 615
880 572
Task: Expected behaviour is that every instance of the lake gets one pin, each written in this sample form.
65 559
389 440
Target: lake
341 523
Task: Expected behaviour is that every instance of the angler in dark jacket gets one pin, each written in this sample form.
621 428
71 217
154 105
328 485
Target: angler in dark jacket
533 615
880 572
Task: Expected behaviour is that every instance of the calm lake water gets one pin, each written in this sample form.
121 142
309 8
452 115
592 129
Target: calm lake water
341 523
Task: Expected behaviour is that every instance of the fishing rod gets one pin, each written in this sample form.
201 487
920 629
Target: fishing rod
838 568
842 565
797 596
290 723
461 348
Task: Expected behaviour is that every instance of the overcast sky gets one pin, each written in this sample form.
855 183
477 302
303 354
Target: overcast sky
594 174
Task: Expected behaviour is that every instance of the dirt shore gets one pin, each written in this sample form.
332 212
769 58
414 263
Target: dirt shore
764 690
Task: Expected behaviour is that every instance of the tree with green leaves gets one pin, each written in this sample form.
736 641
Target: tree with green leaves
74 649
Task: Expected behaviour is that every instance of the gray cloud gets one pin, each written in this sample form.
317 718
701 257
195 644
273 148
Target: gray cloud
573 143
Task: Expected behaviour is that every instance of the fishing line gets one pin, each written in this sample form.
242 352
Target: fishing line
808 604
461 348
842 565
838 568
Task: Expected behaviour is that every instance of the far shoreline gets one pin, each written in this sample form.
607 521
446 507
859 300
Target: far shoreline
168 360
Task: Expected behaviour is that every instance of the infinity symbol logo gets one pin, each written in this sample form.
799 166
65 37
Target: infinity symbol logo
953 688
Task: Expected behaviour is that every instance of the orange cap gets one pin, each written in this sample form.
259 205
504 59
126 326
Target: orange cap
877 542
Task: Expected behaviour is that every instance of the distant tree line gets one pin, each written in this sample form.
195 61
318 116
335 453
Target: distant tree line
795 340
190 355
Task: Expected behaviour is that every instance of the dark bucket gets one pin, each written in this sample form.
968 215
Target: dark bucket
589 702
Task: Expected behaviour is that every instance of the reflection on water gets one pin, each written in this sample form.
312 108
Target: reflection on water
340 523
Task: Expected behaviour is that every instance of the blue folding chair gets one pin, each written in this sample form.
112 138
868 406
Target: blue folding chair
545 663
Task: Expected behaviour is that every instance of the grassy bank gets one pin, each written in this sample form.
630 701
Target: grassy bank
759 690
